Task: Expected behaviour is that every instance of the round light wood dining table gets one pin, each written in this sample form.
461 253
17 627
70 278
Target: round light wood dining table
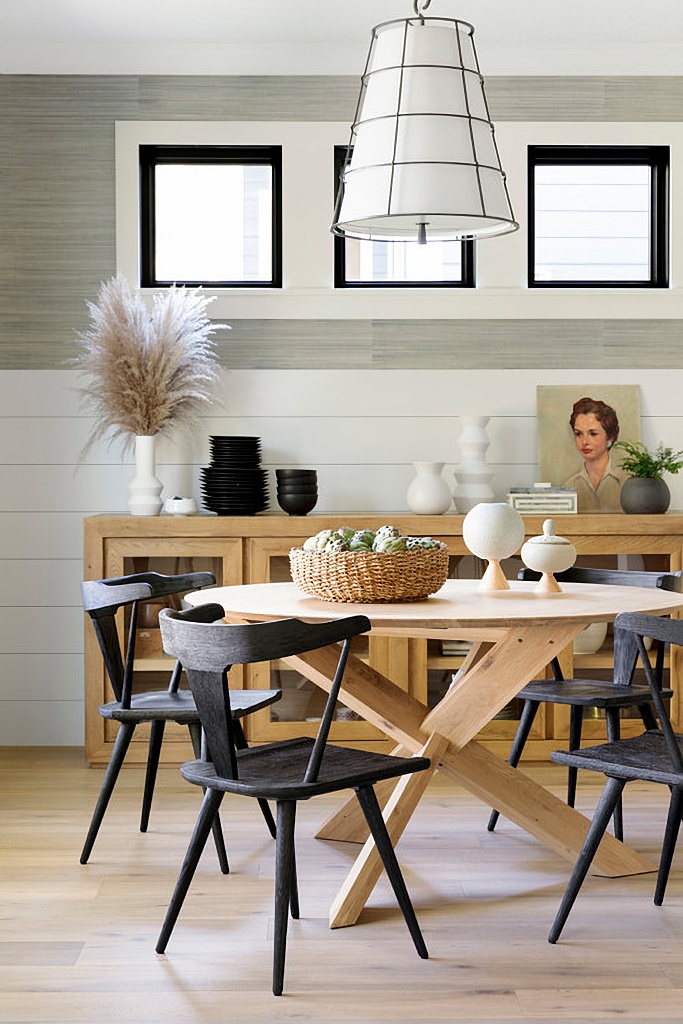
515 633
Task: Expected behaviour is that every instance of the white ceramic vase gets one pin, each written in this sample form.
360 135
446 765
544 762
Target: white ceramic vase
145 487
472 475
591 638
428 494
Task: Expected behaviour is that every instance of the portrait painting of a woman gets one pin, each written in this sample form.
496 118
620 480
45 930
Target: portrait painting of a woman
578 424
598 482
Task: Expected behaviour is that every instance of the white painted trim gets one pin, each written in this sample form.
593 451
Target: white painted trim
308 199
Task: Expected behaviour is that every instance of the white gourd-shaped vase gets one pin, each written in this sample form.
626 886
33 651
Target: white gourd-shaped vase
145 488
428 494
472 475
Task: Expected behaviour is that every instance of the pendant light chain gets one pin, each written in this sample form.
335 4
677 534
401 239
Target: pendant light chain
419 9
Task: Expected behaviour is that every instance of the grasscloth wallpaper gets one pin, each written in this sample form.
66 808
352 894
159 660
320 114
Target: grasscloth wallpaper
57 221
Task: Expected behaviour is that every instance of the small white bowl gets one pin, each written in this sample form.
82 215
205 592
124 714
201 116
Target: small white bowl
180 506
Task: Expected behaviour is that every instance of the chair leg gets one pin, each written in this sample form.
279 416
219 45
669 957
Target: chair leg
203 825
613 723
604 811
284 876
241 744
119 751
673 824
218 838
294 888
156 737
575 723
373 815
648 716
526 720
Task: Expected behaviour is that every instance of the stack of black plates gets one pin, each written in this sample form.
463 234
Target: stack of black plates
234 484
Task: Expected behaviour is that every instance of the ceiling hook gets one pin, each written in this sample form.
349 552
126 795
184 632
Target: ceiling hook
419 6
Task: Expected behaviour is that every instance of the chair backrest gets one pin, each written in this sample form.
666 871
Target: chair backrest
667 632
612 577
208 651
102 600
625 645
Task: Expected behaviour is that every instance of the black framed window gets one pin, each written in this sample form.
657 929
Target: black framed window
211 216
598 216
365 264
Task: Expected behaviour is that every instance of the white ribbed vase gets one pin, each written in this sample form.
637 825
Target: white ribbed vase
145 488
428 494
472 475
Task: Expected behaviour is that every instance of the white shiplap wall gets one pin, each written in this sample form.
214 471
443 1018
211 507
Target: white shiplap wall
362 430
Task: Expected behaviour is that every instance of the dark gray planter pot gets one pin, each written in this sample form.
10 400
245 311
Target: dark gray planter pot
645 496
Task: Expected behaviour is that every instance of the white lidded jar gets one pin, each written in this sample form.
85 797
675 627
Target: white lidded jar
548 554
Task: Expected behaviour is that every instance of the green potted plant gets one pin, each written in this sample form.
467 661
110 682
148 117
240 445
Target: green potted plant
646 492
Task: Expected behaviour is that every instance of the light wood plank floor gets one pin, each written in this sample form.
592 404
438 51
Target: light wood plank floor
77 943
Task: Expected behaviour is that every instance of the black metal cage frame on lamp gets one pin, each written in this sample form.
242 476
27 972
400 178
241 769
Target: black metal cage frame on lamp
422 160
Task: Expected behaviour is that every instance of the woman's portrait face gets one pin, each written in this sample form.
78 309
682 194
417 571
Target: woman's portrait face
590 437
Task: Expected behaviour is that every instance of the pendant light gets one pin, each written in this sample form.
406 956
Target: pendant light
422 161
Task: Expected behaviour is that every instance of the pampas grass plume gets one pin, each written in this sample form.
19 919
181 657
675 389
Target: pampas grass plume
146 373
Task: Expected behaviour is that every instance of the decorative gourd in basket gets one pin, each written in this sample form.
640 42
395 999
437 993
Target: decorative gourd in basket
367 567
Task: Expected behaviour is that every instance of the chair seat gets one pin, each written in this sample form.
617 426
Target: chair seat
587 692
275 771
180 706
638 757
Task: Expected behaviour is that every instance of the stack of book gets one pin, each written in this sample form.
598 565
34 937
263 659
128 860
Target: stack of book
543 499
453 648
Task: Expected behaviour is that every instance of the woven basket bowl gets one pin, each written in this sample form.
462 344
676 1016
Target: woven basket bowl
369 577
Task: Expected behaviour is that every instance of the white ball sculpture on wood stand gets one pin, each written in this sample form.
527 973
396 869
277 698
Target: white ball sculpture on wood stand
548 554
493 530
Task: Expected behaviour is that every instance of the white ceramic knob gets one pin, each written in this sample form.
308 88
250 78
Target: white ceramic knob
548 554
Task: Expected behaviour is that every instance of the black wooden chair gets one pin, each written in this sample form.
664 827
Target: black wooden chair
102 600
610 696
654 756
286 771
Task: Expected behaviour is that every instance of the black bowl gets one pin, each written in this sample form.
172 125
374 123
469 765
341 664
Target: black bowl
294 474
299 489
297 504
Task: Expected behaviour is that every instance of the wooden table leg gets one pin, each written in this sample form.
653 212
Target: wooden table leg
511 662
367 867
348 824
536 810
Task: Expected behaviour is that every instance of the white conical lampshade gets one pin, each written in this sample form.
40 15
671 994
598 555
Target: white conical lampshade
423 159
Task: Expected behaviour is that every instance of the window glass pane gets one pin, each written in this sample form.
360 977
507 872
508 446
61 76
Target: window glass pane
213 222
403 261
593 222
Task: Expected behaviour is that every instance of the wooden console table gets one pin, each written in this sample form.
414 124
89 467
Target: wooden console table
254 549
